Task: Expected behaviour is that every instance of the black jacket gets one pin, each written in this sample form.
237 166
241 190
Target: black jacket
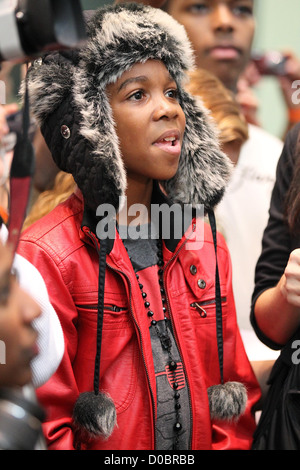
277 242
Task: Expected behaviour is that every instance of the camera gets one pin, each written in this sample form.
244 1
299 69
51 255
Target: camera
269 63
32 27
21 420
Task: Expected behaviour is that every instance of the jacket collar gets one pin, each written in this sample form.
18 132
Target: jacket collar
90 220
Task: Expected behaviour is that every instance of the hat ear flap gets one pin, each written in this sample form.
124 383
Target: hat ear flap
203 169
101 174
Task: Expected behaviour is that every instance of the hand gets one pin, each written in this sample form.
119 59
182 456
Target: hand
251 75
247 101
290 286
245 94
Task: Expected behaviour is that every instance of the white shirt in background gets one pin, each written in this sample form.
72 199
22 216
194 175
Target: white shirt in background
242 217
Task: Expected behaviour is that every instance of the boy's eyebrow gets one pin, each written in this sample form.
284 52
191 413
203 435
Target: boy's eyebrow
138 79
141 78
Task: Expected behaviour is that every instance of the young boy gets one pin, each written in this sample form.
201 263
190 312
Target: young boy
153 355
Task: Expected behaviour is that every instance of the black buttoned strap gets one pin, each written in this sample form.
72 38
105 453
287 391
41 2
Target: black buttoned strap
219 324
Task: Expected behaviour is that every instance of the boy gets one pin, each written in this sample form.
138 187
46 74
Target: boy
143 366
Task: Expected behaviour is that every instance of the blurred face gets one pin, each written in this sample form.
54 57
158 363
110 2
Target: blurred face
17 311
221 32
149 121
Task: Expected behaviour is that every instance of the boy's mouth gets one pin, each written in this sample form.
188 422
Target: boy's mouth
169 142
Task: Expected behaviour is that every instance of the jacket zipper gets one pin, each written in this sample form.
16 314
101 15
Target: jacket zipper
178 344
141 339
199 306
111 308
137 327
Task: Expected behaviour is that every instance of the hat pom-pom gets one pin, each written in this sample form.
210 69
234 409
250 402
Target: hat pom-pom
227 401
94 416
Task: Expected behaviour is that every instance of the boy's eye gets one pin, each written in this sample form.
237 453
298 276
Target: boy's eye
172 94
136 96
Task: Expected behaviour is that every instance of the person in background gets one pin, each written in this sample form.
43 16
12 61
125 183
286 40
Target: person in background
225 49
50 342
286 78
275 312
275 309
227 31
64 186
24 331
224 109
18 311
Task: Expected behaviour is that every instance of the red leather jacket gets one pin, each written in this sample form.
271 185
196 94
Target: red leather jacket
65 253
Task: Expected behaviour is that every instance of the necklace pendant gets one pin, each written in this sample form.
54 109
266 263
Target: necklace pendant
166 342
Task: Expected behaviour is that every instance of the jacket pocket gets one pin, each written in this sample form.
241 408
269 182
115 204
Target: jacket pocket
108 308
120 363
115 314
205 309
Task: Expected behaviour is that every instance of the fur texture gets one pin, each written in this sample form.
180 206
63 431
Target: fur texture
70 89
227 401
93 416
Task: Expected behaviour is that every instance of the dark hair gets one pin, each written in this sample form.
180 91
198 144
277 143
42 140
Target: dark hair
292 201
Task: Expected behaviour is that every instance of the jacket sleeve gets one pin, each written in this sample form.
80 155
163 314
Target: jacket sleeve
277 243
59 393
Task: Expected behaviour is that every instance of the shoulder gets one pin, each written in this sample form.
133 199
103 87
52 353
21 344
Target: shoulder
202 242
260 135
58 231
289 154
291 141
201 251
261 146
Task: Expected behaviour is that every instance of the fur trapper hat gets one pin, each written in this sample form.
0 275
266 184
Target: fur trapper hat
68 99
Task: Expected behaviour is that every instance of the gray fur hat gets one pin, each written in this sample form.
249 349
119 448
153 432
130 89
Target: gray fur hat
68 99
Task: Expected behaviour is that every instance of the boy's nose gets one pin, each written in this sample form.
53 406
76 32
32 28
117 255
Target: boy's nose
222 19
165 109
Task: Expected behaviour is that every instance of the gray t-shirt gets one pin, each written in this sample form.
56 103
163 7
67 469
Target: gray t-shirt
143 254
